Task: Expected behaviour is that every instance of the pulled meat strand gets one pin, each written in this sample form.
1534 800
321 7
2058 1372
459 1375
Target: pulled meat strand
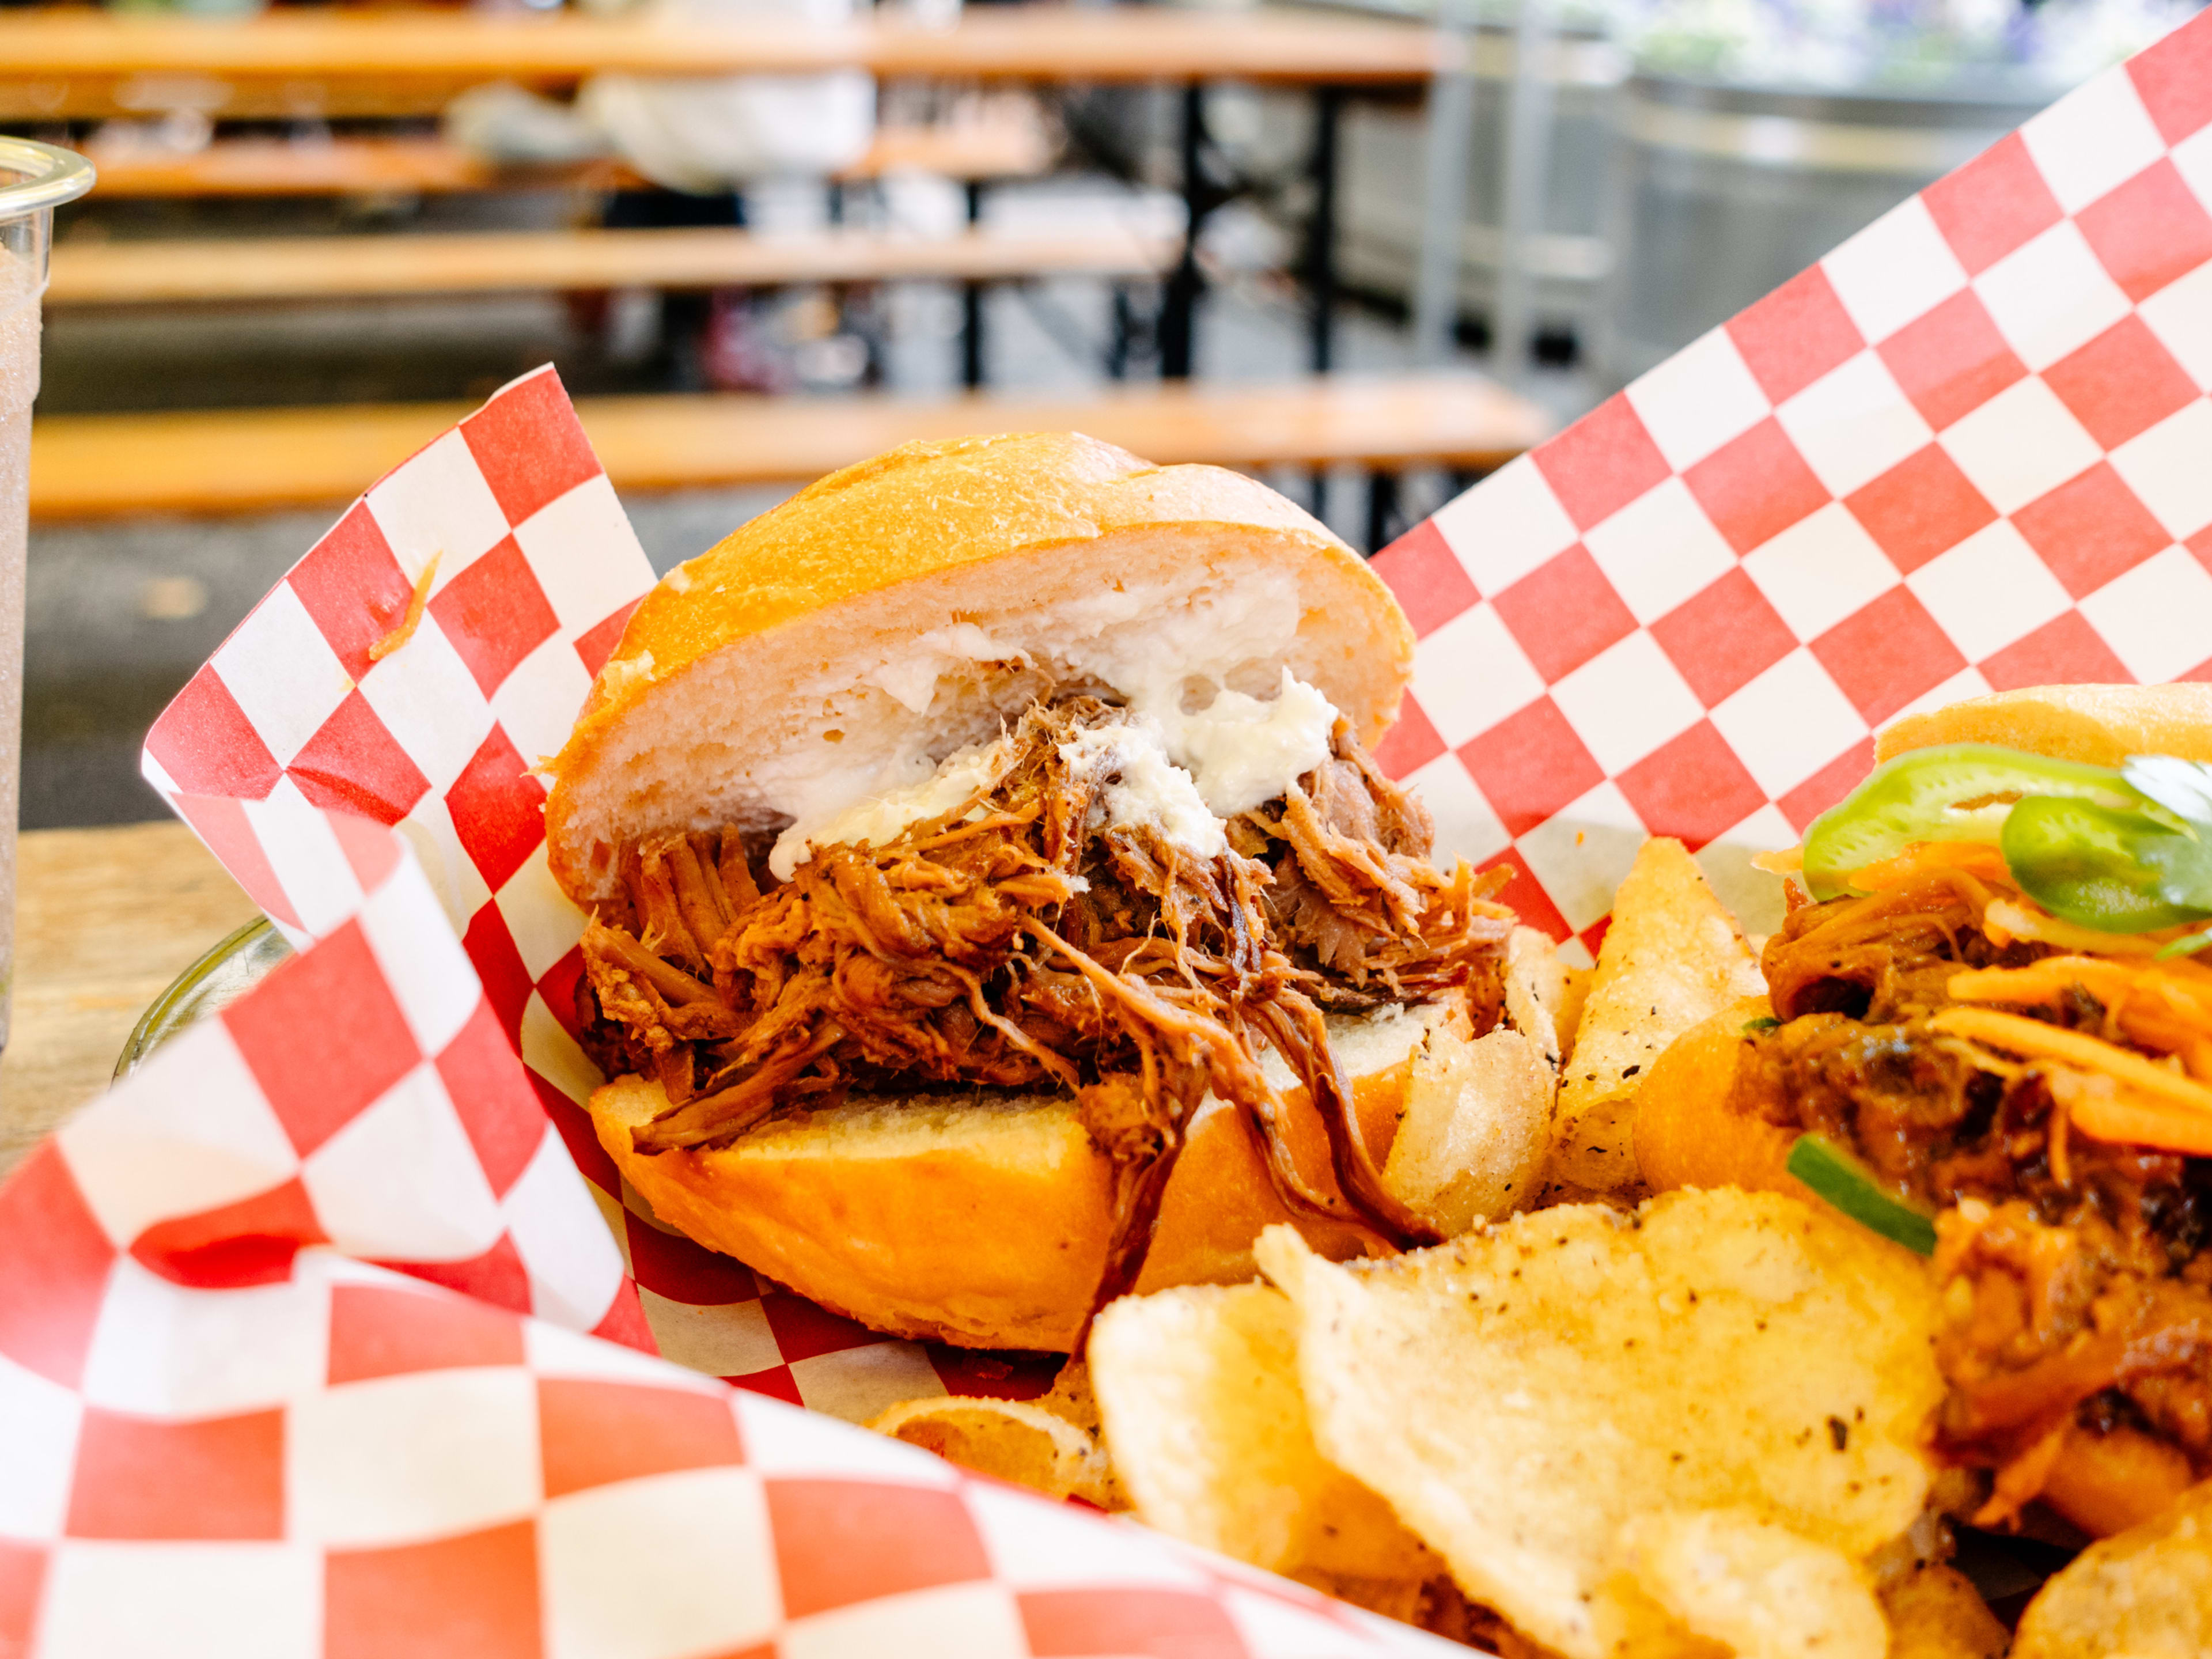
1296 1027
739 890
1355 887
736 1107
1021 940
1138 1122
1227 1066
670 981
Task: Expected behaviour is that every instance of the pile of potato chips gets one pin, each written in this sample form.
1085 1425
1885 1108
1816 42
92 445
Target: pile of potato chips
1593 1424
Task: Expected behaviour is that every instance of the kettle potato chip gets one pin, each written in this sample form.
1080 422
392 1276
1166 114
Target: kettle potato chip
1935 1612
1759 1590
1198 1389
1535 986
1672 958
1523 1395
2143 1594
1010 1439
1476 1131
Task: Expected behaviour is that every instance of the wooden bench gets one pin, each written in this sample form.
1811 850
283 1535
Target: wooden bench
993 148
235 461
234 271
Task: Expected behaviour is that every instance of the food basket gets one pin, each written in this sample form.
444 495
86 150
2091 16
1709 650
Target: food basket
330 1330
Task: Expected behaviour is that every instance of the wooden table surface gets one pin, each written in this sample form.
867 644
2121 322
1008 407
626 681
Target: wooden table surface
243 460
1032 42
104 919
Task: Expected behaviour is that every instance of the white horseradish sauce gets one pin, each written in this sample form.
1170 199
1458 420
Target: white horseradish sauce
876 818
1242 752
1181 773
1151 789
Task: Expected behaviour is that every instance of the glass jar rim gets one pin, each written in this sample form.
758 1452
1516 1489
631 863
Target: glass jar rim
49 177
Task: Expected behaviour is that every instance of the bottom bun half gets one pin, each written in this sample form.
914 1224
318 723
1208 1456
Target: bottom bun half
984 1219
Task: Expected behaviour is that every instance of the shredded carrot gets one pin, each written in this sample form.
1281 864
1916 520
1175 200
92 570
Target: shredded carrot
413 620
2154 1006
2061 1117
2031 1038
2017 1482
2146 1123
2097 1108
2047 981
1979 859
2006 914
2009 919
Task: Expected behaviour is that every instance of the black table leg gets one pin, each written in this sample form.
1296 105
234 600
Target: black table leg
971 305
1381 508
1179 306
1321 229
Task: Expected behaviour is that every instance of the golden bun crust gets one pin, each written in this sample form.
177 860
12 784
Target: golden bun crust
742 660
1693 1128
983 1221
2098 725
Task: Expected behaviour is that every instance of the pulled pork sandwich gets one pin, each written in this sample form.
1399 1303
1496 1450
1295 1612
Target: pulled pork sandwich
1989 1036
994 899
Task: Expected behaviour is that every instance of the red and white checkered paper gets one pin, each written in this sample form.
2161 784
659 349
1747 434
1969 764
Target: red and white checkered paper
291 728
1966 452
226 1430
1961 453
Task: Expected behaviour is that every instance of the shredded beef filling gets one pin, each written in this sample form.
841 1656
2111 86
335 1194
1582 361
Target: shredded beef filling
2078 1291
1022 941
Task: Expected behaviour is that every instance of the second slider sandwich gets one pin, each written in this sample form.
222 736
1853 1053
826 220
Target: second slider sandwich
995 902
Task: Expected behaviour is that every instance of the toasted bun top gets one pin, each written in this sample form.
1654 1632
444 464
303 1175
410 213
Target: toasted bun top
906 606
2097 725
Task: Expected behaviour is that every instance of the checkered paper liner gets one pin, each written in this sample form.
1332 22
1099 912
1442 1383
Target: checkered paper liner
1965 452
293 731
1957 454
226 1430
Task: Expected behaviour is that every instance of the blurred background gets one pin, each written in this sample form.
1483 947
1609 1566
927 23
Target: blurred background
1368 250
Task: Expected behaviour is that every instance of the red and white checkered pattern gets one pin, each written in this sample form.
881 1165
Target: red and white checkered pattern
291 745
1964 453
222 1435
1959 453
364 1097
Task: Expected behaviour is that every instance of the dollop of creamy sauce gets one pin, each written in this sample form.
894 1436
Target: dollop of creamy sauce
1181 773
912 677
1190 771
877 816
1242 752
1148 788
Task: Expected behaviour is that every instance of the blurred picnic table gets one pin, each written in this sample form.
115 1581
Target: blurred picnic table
105 919
72 62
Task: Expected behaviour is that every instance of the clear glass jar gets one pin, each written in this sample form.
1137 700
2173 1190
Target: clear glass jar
204 990
34 179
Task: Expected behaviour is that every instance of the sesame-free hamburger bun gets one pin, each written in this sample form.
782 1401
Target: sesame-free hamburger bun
905 610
